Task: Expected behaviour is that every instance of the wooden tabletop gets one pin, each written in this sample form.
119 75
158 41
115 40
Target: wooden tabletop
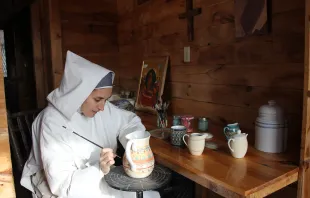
258 174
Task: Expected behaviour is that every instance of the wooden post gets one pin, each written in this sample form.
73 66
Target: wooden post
40 66
304 172
56 41
6 174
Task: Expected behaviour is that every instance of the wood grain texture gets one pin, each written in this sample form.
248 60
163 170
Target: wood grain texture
92 6
257 175
39 68
227 79
304 173
56 40
7 188
89 29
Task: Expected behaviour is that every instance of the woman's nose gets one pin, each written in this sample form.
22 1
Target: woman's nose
101 106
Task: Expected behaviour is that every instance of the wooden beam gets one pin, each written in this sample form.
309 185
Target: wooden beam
304 173
39 63
56 41
6 174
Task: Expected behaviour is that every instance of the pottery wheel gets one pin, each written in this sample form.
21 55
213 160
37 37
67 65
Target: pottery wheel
118 179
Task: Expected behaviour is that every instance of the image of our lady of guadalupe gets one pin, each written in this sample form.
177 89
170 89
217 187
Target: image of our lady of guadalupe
149 89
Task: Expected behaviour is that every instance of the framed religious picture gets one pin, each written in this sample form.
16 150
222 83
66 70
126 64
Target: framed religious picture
251 17
152 83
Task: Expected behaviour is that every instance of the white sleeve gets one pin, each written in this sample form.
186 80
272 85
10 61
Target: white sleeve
63 177
128 122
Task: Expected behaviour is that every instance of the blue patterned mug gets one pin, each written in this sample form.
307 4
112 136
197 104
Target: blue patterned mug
231 129
177 133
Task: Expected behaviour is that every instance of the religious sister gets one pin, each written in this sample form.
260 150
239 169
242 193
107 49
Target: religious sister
62 164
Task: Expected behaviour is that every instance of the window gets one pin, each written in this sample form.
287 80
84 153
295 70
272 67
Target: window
2 55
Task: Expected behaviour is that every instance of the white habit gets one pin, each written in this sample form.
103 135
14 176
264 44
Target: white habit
69 163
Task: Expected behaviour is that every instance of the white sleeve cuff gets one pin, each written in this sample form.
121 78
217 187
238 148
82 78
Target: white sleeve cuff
97 165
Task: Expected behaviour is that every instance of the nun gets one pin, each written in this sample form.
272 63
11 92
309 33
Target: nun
61 163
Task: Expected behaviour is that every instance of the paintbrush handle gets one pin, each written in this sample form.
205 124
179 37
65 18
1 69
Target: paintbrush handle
90 141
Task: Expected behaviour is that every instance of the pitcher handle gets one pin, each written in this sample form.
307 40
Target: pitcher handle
184 138
229 144
133 166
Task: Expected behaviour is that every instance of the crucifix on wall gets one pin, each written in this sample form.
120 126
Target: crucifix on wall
189 15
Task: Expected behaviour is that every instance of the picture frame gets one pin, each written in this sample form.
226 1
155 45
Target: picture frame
252 17
152 83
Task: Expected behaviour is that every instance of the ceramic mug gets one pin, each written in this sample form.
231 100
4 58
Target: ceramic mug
196 142
177 133
230 130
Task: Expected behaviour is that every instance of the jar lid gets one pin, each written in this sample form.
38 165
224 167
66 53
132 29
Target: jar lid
203 119
272 108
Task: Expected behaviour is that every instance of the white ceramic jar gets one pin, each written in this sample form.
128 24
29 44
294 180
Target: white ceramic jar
271 129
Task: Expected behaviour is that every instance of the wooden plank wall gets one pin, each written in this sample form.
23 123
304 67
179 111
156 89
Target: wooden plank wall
6 175
304 171
228 79
89 28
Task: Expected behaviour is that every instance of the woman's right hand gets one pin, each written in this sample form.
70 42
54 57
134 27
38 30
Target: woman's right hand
106 160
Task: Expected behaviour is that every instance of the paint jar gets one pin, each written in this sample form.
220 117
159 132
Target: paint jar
203 124
186 121
176 120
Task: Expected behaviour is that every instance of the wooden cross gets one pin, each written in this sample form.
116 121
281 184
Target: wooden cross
189 15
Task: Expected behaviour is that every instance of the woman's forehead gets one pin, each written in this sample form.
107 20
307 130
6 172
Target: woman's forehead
104 92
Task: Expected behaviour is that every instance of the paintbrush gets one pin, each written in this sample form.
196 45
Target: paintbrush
90 141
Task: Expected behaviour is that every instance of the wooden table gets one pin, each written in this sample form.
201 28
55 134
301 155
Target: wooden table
258 174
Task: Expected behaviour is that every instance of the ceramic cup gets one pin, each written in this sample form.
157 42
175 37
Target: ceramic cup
195 143
176 136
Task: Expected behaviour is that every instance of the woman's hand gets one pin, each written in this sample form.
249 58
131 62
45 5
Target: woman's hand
106 160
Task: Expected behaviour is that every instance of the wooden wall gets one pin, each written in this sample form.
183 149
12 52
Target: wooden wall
228 79
89 28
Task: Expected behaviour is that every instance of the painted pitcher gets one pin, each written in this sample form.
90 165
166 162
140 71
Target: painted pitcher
138 160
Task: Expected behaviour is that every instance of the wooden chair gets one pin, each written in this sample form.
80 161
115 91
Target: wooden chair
19 125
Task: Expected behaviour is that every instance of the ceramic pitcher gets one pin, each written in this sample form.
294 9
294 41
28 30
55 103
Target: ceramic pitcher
238 145
138 160
230 130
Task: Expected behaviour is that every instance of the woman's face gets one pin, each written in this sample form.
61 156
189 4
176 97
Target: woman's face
95 101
